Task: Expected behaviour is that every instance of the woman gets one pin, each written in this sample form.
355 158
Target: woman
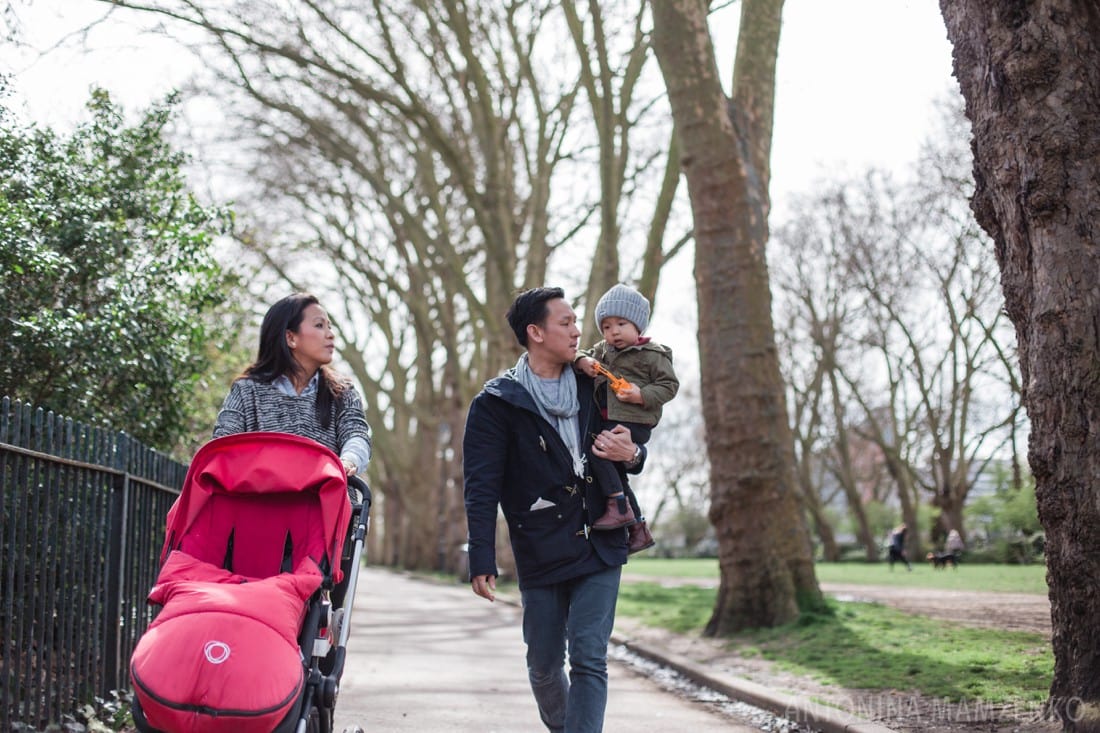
291 388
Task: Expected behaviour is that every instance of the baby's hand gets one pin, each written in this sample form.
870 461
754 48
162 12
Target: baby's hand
632 395
586 365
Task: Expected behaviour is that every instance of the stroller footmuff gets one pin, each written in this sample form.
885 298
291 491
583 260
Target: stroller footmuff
223 653
254 551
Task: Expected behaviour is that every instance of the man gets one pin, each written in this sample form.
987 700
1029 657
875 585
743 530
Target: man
524 447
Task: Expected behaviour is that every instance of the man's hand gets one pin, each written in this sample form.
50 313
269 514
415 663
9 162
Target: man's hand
484 586
614 445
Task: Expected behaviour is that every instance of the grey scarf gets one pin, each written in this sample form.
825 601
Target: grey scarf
560 412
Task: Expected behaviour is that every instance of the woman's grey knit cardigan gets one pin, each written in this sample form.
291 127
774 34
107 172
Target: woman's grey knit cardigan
253 406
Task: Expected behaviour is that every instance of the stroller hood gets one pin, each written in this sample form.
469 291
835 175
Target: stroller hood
270 467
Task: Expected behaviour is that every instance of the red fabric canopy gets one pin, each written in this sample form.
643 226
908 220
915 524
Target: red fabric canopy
250 496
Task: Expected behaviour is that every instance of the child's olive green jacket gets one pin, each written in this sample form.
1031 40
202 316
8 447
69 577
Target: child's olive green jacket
647 364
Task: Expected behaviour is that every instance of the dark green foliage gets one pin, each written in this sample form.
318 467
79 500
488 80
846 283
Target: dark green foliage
109 281
1005 526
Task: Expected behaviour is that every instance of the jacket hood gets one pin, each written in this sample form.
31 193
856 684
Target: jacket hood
644 344
508 388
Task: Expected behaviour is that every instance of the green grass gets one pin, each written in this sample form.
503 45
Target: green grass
1014 578
684 610
862 645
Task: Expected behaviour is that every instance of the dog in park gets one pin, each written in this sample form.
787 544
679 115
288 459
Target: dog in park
940 560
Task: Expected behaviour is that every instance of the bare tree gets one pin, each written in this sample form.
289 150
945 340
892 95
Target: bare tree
938 331
816 310
889 285
428 160
10 25
767 567
1030 74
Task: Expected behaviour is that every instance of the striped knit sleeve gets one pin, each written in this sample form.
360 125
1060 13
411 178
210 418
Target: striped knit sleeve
353 434
231 418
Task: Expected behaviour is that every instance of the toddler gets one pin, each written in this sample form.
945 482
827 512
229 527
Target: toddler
622 315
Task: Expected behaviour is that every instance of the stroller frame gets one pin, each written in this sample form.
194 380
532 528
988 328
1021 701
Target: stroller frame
322 689
324 630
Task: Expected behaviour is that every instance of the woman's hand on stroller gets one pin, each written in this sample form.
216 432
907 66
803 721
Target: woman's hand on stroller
349 467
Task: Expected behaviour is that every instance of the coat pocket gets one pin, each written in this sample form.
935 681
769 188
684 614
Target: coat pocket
549 537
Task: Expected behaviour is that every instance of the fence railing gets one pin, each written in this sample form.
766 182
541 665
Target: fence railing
82 514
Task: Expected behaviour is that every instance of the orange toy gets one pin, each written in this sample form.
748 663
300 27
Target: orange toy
617 383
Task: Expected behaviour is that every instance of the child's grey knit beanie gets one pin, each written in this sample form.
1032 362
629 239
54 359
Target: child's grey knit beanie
624 302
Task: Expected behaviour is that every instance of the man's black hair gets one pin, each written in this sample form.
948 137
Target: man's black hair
528 308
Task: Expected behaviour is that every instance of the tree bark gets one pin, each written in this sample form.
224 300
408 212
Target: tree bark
766 566
845 471
1030 73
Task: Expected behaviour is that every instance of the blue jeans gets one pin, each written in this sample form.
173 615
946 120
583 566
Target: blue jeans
576 616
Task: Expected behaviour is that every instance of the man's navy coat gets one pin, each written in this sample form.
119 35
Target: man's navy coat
515 458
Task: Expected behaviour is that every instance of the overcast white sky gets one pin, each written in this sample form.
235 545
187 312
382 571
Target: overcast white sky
856 85
856 78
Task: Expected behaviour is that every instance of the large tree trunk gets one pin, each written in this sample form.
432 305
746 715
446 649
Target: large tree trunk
1030 73
766 566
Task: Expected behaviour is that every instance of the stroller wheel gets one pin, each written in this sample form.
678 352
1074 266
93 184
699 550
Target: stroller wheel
353 729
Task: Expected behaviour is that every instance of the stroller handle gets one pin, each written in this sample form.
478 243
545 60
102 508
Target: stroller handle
364 491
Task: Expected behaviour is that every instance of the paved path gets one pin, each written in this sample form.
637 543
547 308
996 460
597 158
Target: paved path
427 658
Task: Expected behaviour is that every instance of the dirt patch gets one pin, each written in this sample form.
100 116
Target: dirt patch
897 709
1011 611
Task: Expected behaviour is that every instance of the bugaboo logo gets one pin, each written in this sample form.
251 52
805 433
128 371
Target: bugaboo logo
216 651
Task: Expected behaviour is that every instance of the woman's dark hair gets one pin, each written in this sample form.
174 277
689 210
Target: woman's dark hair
530 307
274 358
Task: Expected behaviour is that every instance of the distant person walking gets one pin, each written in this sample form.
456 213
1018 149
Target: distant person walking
954 544
897 547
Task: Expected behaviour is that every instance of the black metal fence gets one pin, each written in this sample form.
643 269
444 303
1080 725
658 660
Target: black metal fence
82 515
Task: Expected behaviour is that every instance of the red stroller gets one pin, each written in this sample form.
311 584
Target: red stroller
257 579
